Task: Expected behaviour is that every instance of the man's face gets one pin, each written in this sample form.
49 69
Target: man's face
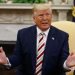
42 18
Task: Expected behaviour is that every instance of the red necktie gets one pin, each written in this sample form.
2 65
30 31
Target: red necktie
40 54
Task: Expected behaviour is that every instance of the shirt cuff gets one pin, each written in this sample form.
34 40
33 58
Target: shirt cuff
68 68
8 65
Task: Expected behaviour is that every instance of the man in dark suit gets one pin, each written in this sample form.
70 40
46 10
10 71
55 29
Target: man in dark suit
56 49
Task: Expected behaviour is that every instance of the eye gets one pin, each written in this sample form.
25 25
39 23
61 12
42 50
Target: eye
47 14
40 15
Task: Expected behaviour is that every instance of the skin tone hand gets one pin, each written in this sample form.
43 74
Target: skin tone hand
3 58
70 62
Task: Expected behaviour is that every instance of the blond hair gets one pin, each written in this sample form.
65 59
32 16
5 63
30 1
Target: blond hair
42 6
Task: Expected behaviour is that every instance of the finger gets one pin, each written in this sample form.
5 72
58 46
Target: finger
72 65
71 53
1 49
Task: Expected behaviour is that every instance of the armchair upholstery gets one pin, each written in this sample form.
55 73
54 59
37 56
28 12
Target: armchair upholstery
68 27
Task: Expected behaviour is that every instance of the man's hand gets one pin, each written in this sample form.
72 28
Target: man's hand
3 58
70 62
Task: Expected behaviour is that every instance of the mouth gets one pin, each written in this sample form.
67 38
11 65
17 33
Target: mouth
45 23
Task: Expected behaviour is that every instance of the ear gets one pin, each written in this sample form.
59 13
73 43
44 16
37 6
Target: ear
33 17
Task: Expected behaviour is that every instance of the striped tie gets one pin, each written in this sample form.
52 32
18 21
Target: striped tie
40 54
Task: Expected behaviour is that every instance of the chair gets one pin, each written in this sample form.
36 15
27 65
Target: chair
68 27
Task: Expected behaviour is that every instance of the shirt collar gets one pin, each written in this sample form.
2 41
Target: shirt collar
45 32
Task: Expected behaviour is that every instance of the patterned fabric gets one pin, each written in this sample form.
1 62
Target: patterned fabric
40 54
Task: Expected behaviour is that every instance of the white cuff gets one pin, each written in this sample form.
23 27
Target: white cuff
8 65
68 68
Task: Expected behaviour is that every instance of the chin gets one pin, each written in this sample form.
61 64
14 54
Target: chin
44 29
46 26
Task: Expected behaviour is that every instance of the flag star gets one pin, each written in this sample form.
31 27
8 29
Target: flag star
53 38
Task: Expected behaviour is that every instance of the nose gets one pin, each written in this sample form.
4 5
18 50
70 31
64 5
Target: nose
44 17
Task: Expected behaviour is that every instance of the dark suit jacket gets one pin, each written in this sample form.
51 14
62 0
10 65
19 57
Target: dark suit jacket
56 52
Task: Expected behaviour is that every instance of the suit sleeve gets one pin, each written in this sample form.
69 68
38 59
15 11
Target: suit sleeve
16 59
64 52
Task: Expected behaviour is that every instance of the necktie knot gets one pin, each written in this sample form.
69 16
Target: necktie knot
42 33
41 36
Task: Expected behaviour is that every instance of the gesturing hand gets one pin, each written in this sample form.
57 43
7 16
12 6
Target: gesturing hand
3 58
70 62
